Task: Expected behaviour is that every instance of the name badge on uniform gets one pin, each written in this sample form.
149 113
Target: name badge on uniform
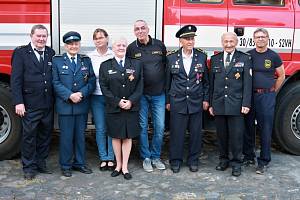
268 63
137 55
111 71
157 52
239 64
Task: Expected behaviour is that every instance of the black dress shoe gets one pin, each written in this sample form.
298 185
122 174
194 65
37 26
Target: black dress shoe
222 166
236 171
66 172
111 168
193 168
29 176
115 173
44 170
127 176
83 169
175 168
104 167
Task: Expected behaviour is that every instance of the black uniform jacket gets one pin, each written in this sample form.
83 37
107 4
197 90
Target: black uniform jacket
186 92
121 83
230 88
31 82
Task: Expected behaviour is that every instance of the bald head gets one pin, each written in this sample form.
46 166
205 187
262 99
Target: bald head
229 41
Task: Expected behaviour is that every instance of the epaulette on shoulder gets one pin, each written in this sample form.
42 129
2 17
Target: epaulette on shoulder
201 50
20 47
84 56
172 52
58 55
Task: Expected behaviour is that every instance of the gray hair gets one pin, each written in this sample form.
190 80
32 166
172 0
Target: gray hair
229 33
263 30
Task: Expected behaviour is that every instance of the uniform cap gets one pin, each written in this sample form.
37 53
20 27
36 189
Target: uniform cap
71 36
186 31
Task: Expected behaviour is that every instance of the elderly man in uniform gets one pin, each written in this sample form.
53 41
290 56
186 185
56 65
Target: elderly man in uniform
73 81
265 64
152 53
187 89
32 96
230 98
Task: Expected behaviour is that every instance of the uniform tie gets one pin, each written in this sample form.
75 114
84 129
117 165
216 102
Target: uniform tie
73 63
41 55
227 61
121 63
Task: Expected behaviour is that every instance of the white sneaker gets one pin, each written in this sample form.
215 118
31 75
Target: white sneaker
158 164
147 165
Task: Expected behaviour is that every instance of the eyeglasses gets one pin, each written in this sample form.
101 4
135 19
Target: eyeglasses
260 37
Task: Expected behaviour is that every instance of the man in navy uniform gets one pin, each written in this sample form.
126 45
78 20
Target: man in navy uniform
31 84
73 82
187 88
230 99
265 63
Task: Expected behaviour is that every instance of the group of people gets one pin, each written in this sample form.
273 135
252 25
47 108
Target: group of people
125 85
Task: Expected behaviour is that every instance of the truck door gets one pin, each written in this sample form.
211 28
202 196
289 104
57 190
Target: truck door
210 17
277 16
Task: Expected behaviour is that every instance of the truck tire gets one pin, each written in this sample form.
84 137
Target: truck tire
10 126
287 119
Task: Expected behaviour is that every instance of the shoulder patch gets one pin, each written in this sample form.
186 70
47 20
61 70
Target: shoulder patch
201 50
172 52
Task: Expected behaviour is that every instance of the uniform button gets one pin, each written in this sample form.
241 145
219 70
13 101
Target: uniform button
225 95
226 78
74 74
122 74
75 84
44 74
123 85
187 88
188 79
46 90
187 96
45 82
226 87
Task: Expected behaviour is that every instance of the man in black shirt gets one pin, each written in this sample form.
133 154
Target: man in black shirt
152 53
265 63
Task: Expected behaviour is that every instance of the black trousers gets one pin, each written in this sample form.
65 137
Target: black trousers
37 127
230 130
179 124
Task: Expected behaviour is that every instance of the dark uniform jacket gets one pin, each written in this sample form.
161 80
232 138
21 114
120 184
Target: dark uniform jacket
66 81
121 83
31 81
230 88
186 92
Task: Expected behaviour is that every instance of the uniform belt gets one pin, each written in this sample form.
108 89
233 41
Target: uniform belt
264 90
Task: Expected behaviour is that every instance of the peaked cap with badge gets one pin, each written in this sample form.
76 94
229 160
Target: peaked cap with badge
186 31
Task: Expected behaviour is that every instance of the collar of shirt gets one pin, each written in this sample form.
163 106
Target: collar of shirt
184 56
139 44
69 56
225 55
35 52
118 60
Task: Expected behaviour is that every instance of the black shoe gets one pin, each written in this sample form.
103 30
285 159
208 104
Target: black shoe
29 176
248 162
236 171
83 169
222 166
127 176
66 172
260 169
175 168
193 168
103 168
116 173
44 170
111 168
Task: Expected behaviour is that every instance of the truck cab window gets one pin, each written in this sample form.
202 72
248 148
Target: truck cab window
204 1
261 2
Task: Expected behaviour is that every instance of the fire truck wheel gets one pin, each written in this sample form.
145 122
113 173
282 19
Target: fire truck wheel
287 119
10 126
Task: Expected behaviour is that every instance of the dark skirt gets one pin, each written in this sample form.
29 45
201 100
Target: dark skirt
123 125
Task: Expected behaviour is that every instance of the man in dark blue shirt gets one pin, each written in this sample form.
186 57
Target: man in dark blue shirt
265 64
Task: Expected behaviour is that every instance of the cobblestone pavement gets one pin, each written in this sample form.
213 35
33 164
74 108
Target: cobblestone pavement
281 181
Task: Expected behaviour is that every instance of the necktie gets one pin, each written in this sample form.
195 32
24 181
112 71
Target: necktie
41 55
227 61
73 63
121 63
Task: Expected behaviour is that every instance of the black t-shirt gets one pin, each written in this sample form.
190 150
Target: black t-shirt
264 65
153 57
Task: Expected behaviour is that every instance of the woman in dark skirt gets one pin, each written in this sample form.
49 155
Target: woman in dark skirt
122 85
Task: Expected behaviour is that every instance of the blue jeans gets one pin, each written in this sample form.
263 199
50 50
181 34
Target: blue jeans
157 107
103 141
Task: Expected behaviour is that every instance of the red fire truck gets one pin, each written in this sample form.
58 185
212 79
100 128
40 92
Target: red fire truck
165 17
